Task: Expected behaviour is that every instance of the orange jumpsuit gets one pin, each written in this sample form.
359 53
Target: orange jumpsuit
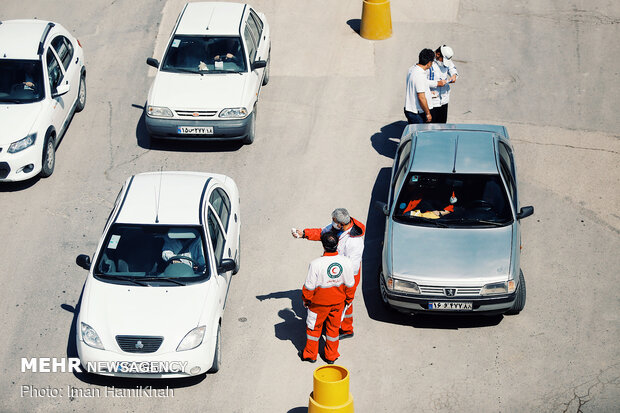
351 245
329 285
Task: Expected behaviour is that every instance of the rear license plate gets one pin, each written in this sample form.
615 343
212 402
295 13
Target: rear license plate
195 130
450 306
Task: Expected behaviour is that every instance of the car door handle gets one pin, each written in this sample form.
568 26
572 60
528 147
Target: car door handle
77 59
229 253
235 217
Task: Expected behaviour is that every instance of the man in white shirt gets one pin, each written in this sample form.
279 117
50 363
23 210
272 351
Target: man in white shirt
417 92
442 69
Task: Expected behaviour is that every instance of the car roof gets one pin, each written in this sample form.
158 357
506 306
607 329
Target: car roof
211 18
178 195
451 149
19 39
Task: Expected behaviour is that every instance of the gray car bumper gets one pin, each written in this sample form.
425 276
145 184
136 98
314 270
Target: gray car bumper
486 305
223 129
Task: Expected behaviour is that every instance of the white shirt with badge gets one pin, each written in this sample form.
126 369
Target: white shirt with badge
417 82
439 71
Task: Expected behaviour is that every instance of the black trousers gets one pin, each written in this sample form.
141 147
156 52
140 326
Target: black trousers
415 117
440 114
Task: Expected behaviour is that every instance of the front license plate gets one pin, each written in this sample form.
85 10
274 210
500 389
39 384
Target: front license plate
450 306
195 130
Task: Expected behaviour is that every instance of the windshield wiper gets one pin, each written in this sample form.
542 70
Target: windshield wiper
181 69
477 221
12 100
123 278
172 280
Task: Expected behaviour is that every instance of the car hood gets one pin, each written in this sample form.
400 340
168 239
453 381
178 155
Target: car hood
435 256
213 91
113 309
17 120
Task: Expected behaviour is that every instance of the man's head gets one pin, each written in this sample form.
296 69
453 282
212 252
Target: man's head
425 58
329 241
340 218
444 54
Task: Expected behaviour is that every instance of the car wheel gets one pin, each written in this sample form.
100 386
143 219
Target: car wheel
383 291
81 99
266 75
520 301
49 157
217 356
250 138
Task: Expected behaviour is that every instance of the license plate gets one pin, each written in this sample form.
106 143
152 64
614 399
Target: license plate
450 306
195 130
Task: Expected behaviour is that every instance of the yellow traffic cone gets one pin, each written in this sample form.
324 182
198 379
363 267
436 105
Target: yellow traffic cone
331 391
376 20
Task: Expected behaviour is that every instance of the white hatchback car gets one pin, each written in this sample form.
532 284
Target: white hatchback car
154 298
210 77
42 83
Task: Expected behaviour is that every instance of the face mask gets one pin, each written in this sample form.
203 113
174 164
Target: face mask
440 63
336 226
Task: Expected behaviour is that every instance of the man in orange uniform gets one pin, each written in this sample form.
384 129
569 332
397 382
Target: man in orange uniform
329 286
351 244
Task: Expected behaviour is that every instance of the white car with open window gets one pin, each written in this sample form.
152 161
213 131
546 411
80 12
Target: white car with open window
209 80
154 298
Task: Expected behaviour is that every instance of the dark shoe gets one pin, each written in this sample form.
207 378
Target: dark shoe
344 335
301 356
330 361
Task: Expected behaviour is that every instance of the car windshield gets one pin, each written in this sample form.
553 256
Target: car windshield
152 254
202 54
453 200
21 81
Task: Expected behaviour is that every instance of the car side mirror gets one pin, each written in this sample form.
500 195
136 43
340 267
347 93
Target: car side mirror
383 207
258 64
226 265
152 62
83 261
61 89
525 212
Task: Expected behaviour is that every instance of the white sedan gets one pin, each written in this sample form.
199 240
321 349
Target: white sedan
209 80
154 298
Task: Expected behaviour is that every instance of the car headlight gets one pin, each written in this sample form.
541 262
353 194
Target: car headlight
506 287
405 286
159 112
234 113
192 339
90 336
22 144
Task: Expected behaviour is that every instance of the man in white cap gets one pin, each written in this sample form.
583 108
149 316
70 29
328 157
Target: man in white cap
442 69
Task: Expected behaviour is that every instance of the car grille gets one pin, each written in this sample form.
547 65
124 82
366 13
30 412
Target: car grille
5 169
458 291
139 344
196 113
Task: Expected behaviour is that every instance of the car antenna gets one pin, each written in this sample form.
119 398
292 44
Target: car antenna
456 148
158 197
210 17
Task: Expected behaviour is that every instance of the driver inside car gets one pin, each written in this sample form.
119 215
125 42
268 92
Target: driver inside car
183 246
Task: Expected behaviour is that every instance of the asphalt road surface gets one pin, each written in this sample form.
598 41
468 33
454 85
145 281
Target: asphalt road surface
328 125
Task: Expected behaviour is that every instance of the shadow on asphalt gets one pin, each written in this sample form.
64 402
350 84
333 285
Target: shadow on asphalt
386 141
293 325
118 382
371 262
355 25
146 142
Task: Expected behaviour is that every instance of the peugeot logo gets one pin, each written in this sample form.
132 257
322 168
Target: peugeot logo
139 345
450 292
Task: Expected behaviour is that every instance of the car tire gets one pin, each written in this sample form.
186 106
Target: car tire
383 290
49 157
81 97
250 137
519 303
266 75
217 356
